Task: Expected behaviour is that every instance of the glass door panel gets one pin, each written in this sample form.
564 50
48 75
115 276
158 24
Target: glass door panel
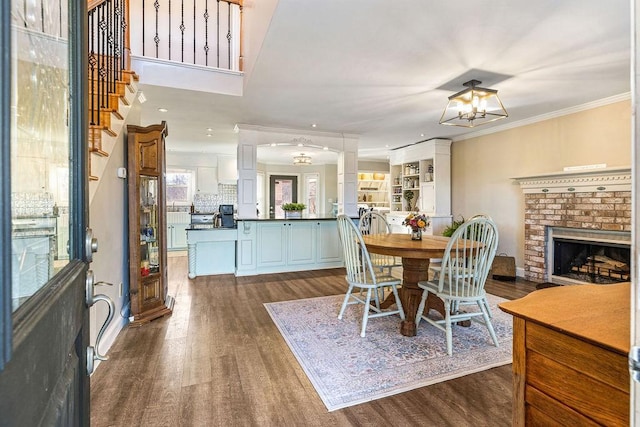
39 146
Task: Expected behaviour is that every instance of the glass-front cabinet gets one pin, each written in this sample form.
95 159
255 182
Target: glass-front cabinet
147 224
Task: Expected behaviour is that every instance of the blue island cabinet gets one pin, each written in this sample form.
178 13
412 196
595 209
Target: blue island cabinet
275 246
211 251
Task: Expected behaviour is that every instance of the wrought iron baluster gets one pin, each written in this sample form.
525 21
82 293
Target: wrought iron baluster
92 67
218 35
143 27
182 27
156 38
169 30
194 32
206 32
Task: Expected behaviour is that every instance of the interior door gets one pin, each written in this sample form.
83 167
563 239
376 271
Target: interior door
282 189
44 317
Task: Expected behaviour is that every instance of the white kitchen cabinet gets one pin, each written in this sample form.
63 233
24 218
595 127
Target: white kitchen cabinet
272 244
207 180
286 243
227 170
301 242
329 249
177 223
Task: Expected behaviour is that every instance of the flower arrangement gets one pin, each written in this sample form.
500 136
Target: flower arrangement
417 222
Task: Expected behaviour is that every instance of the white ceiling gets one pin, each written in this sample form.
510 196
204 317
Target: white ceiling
374 68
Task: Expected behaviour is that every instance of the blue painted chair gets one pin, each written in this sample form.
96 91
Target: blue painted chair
463 273
361 275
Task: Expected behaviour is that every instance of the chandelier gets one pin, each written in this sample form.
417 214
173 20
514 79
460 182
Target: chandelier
301 160
473 106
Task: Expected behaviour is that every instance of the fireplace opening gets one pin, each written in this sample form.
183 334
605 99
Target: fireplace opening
591 262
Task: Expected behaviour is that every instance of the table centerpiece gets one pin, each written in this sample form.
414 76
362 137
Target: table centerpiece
417 222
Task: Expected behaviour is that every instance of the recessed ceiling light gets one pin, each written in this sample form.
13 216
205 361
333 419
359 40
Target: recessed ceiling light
325 148
313 125
209 129
209 135
273 144
162 110
386 146
300 144
422 134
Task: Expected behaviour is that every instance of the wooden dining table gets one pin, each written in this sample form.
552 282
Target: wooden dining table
415 256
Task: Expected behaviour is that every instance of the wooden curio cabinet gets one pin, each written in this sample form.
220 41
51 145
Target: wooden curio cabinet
147 223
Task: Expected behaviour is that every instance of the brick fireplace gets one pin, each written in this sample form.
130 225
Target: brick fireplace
593 199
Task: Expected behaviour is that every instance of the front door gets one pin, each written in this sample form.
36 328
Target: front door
44 321
282 189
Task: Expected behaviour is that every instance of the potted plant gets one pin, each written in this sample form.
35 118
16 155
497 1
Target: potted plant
293 210
448 232
408 195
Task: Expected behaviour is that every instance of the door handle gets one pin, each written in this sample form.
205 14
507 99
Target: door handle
90 245
93 353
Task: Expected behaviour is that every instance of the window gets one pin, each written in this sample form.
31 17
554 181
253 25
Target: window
180 183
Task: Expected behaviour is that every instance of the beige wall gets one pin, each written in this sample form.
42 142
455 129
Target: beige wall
482 168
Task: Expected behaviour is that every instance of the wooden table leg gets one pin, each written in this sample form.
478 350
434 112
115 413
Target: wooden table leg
413 271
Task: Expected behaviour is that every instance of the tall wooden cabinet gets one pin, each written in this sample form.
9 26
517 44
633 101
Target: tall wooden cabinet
147 223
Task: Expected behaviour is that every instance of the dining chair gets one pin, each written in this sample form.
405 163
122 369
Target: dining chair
465 267
372 222
362 276
434 267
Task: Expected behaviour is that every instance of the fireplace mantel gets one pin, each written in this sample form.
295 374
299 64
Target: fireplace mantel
587 180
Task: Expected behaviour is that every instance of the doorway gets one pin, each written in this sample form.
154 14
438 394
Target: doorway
282 189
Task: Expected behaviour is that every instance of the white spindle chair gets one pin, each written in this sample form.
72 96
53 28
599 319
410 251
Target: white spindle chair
362 275
463 274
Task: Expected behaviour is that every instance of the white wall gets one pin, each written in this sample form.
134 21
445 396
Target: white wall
107 216
482 168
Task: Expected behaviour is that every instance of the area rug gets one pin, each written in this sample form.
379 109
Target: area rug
346 369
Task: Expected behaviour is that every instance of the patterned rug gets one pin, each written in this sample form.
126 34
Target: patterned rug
346 369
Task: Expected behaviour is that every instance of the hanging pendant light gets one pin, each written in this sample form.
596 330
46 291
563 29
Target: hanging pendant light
302 160
473 106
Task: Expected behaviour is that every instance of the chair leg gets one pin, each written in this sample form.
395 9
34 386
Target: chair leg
344 303
394 289
421 307
447 321
365 314
487 321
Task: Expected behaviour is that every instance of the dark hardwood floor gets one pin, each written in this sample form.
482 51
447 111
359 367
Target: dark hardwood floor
220 361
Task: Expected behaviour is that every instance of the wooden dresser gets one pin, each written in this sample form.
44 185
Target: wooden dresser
570 349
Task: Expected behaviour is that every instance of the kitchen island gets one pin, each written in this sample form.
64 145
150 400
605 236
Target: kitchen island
211 251
283 245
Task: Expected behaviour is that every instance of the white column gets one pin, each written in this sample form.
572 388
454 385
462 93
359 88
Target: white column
247 176
348 178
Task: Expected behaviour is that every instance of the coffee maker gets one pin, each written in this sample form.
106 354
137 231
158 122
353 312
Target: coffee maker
226 216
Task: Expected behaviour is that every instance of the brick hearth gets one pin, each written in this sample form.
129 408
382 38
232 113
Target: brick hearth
585 210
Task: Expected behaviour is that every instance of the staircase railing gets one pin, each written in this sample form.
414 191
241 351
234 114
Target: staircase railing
199 32
108 53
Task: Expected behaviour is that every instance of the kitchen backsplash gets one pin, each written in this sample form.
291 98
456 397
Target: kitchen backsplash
31 204
207 202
